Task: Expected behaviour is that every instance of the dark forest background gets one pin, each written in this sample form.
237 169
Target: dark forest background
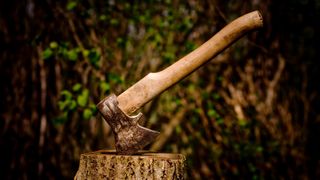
251 113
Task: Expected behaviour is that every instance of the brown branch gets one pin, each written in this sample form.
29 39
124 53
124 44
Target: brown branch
73 30
43 120
237 101
275 81
168 130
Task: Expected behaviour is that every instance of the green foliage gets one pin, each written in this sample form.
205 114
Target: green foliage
53 45
103 17
67 104
71 5
87 113
72 105
94 58
120 42
66 94
219 121
213 113
75 101
85 53
65 52
76 87
47 53
72 54
82 98
190 46
168 56
105 87
93 108
216 96
115 78
242 122
114 22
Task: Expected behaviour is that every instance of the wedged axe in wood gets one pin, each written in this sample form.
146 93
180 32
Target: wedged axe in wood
129 136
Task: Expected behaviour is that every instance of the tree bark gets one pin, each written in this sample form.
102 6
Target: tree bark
105 164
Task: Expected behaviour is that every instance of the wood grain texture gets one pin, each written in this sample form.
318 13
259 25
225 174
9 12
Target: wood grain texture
108 165
155 83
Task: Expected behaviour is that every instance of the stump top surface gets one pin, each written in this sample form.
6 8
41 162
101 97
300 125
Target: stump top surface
140 154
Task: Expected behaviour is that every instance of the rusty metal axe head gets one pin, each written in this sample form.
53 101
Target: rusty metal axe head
129 135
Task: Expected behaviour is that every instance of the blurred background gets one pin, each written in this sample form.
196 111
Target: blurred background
251 113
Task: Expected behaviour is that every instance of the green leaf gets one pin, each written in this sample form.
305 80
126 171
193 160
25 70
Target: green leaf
94 57
82 99
66 94
219 121
85 92
114 22
103 17
72 105
62 105
72 55
53 45
190 46
63 51
242 122
259 149
85 52
115 78
104 87
142 19
77 49
71 5
120 42
158 38
67 105
47 53
87 114
93 108
76 87
178 102
212 113
216 96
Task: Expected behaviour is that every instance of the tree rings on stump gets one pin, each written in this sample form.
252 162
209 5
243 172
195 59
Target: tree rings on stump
107 164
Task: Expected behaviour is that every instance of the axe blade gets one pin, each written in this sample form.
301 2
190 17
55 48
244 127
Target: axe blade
133 139
130 137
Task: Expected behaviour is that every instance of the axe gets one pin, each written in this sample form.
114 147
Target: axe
130 137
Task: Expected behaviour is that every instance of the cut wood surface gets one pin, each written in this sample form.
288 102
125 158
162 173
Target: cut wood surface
106 164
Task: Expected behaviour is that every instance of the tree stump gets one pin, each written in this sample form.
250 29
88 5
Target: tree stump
106 164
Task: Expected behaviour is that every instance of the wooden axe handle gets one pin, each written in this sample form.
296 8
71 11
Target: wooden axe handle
154 84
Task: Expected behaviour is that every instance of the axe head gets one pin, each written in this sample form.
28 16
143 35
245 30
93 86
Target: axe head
130 137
